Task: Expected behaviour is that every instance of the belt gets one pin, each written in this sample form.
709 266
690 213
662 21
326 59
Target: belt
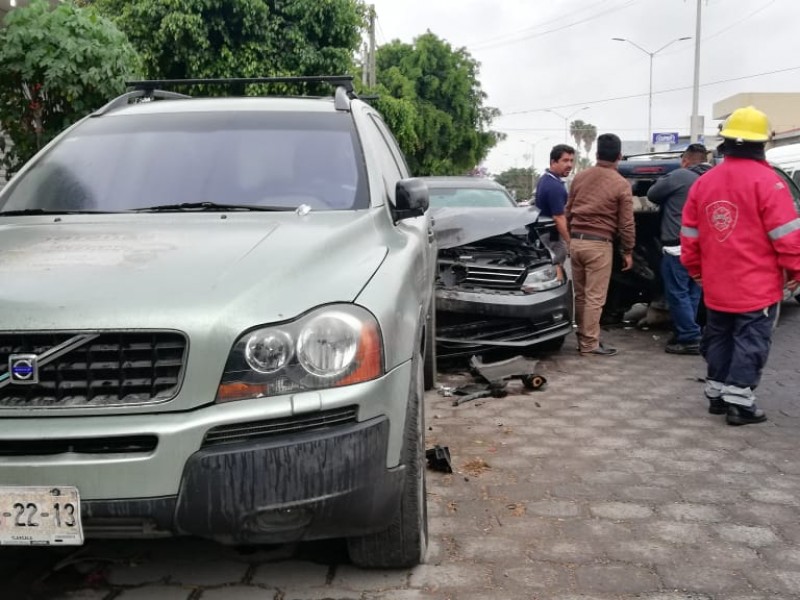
589 237
676 242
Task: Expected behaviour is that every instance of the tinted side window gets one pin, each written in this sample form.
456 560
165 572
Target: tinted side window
391 142
390 170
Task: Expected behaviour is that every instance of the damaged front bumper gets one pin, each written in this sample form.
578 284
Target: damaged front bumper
471 318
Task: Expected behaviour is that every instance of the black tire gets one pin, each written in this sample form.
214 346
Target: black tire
405 542
431 366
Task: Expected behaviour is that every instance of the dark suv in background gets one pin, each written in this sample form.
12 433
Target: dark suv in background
642 284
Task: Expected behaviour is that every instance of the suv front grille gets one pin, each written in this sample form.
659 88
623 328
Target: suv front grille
242 432
108 368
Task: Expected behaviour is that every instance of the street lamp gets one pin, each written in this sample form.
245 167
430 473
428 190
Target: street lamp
650 94
533 159
566 119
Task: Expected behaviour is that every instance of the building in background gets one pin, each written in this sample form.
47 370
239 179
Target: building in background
782 108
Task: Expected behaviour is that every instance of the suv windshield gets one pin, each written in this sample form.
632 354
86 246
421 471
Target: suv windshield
468 197
128 162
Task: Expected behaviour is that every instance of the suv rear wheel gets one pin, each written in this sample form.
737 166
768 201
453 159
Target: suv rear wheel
405 542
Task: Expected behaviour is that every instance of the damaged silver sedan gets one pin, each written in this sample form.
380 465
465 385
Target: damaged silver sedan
498 285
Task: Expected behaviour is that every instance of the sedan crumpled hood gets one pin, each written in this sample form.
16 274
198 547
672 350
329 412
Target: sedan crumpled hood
459 226
180 271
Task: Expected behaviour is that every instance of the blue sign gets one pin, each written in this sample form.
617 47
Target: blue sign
665 138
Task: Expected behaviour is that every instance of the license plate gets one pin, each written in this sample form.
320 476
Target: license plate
40 516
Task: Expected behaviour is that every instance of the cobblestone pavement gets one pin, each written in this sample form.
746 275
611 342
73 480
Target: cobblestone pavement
613 483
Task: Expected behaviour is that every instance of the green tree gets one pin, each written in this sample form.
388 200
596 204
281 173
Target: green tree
56 65
584 135
520 182
180 39
430 96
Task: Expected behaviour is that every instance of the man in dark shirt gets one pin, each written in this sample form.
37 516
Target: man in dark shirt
551 196
683 294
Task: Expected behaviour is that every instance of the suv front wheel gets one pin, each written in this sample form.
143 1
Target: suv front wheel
405 542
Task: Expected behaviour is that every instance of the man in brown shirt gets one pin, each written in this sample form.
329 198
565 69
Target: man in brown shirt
600 208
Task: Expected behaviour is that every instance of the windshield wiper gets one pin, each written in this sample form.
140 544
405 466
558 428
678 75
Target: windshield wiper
44 211
210 206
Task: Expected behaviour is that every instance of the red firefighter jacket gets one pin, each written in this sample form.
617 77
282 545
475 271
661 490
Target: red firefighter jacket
741 234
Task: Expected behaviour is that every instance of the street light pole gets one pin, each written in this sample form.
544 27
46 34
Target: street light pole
696 122
650 92
566 119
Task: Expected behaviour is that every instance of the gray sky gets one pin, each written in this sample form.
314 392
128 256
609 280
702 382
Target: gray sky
558 54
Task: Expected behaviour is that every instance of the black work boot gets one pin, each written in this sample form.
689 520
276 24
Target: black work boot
717 406
741 415
713 391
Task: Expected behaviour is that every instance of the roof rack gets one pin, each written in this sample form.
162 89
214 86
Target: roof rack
125 99
344 84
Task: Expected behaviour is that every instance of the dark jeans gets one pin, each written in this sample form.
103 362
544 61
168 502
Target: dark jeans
683 297
736 345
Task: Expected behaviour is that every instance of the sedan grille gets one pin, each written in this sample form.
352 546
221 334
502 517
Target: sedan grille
243 432
486 276
80 369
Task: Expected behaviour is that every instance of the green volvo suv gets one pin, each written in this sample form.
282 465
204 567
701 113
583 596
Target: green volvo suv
214 322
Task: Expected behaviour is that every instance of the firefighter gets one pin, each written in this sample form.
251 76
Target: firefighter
740 240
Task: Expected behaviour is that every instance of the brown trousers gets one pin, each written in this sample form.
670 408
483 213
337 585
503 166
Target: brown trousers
591 272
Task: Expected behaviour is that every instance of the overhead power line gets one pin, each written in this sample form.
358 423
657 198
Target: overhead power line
719 32
632 96
533 29
513 40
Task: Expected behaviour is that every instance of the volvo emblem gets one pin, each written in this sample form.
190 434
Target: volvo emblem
23 369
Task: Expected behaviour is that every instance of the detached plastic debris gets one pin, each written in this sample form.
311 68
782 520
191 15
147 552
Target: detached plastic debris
439 459
499 372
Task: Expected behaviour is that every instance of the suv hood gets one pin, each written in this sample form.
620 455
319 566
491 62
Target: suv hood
180 271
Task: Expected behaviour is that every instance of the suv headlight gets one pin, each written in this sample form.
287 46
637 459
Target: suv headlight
330 347
543 278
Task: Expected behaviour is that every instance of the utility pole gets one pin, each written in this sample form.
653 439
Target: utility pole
365 65
372 80
696 125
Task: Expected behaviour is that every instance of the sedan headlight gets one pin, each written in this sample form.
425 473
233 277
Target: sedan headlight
330 347
543 278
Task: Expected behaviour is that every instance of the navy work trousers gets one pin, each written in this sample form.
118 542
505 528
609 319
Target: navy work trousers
736 345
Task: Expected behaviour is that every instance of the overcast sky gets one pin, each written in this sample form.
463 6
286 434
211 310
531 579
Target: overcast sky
558 55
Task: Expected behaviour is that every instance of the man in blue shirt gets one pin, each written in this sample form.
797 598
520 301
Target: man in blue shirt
551 196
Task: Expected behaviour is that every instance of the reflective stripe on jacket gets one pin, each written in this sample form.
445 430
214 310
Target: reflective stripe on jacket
740 232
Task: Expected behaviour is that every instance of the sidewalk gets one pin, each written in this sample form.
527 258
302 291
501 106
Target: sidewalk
616 483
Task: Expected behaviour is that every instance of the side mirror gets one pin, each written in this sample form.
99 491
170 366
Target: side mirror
410 198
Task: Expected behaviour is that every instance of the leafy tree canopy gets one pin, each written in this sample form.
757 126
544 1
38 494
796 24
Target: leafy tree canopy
520 182
180 39
431 98
56 65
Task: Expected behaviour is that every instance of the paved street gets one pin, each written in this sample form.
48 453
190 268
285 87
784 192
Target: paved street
613 483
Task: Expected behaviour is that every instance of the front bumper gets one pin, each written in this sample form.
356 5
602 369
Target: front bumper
502 319
308 486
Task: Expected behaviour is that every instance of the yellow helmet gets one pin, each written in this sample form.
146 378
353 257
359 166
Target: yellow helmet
747 124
